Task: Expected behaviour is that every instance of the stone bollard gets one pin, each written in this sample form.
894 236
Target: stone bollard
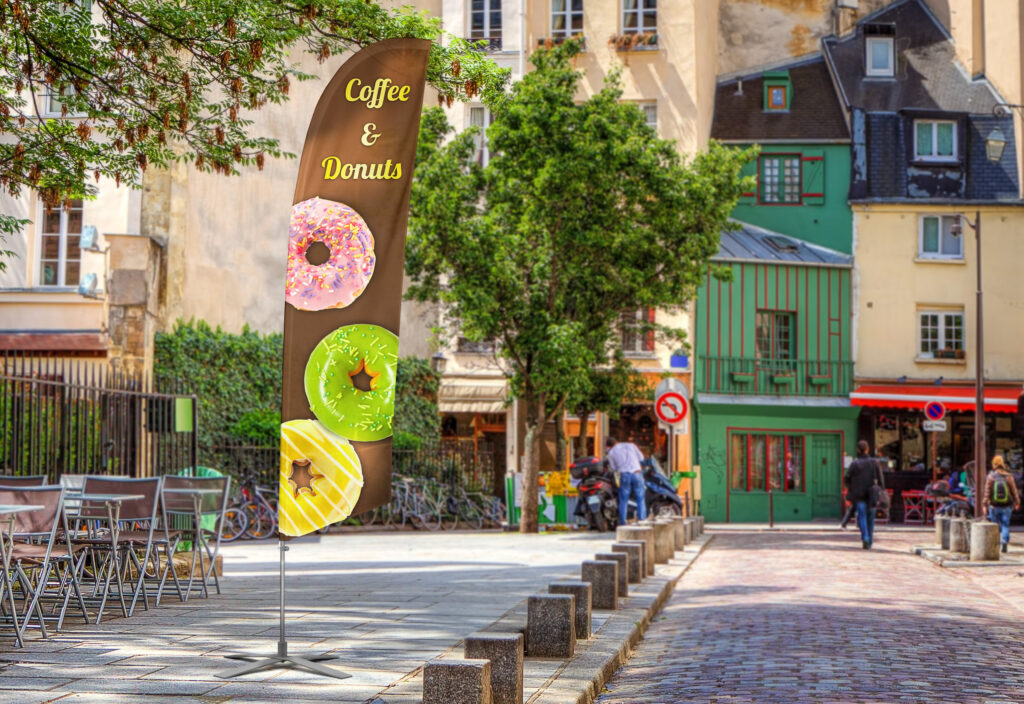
635 573
939 521
505 651
581 591
642 544
700 525
984 541
639 532
679 526
946 524
603 576
664 542
692 529
958 535
623 571
457 682
551 626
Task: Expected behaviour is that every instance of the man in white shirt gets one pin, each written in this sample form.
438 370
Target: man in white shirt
625 458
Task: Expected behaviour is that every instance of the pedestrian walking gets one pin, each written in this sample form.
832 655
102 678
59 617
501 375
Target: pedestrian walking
1001 498
625 458
861 479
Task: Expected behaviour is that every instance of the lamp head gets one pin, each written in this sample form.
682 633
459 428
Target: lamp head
995 143
957 228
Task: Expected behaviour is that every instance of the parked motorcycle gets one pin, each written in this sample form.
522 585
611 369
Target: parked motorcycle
661 497
599 493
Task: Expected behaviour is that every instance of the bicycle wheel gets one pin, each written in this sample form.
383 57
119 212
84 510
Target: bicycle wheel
424 514
470 512
262 521
233 524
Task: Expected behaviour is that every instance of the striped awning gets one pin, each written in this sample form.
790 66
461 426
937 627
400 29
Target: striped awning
998 399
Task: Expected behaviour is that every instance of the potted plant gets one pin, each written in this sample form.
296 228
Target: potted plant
679 359
628 41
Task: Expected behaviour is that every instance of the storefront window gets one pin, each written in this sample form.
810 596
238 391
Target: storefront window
761 461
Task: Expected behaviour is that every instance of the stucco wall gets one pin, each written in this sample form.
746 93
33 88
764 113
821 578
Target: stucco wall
893 284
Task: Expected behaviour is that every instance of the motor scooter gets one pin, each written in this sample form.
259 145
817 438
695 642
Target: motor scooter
661 497
598 493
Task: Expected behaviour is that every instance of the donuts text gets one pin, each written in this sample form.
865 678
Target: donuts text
334 168
376 95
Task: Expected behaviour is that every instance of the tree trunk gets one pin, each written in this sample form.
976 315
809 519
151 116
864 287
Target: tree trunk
561 443
581 436
535 418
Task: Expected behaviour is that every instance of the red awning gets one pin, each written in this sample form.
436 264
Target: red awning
59 342
954 398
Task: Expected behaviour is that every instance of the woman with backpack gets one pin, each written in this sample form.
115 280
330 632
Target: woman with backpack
1001 498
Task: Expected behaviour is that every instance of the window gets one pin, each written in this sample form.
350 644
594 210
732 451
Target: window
59 255
937 240
880 56
636 337
776 98
566 18
481 118
485 22
775 337
760 461
474 347
650 111
780 180
935 140
942 335
639 16
54 106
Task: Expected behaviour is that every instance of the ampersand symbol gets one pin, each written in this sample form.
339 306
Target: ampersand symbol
369 136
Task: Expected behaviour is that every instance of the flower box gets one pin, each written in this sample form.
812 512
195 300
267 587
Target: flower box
634 41
819 379
784 379
743 377
949 354
679 361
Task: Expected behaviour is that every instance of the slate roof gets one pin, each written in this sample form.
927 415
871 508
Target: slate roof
815 111
928 75
753 243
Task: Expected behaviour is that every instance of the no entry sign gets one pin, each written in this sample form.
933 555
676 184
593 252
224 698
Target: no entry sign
934 410
671 407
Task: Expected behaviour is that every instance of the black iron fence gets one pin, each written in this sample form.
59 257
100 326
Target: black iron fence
82 417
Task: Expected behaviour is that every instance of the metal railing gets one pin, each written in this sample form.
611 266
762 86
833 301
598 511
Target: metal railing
774 377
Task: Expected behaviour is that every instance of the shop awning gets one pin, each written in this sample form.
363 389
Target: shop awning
472 395
998 399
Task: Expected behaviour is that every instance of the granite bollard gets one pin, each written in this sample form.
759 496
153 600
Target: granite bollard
635 571
603 576
642 546
580 590
958 535
623 571
639 532
941 526
505 651
457 682
664 541
551 626
984 542
691 529
679 526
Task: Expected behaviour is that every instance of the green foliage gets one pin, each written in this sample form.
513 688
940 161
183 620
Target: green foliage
151 82
582 212
238 381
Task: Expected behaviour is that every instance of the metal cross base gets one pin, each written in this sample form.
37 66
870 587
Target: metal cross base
282 658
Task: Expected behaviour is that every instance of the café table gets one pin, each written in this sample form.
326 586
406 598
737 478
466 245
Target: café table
8 512
196 494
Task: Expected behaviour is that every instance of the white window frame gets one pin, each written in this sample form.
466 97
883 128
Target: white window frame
774 193
62 249
870 70
482 155
568 13
944 332
937 255
650 110
640 346
488 29
641 12
935 141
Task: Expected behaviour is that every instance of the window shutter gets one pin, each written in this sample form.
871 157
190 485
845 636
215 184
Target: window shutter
749 197
649 335
814 177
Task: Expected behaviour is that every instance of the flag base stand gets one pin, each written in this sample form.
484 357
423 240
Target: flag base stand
310 663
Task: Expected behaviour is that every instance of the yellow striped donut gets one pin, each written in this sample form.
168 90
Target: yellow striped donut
321 477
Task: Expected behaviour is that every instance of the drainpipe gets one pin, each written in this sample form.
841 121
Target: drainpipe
522 39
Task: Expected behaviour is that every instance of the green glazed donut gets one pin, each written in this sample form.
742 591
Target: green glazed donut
368 352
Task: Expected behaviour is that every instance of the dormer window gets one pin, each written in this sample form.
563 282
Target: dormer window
880 50
935 140
778 91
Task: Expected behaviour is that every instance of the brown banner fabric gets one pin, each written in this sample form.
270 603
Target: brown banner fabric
346 253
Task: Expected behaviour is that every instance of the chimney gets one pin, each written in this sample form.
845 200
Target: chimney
846 16
739 87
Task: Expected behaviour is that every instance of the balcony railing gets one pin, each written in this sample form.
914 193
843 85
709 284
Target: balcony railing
774 377
490 44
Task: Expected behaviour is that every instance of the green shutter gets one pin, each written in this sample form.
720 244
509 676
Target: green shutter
814 177
749 194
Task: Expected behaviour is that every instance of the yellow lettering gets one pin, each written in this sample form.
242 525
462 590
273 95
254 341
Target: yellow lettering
346 171
397 173
403 94
359 171
331 165
393 93
365 95
355 82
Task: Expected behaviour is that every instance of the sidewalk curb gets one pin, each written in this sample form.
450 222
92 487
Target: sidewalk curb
581 679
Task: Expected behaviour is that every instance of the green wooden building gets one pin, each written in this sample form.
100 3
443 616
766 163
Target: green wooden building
772 346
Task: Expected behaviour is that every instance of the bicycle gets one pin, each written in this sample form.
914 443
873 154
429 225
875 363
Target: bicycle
258 504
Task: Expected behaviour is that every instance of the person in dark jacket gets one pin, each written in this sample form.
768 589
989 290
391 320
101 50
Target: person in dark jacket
860 476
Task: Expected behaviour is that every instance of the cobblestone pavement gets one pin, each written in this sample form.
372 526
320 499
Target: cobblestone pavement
795 618
384 602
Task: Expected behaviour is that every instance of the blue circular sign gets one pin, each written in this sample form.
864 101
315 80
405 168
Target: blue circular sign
935 410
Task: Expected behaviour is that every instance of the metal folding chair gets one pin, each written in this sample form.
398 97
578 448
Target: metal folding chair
187 500
34 480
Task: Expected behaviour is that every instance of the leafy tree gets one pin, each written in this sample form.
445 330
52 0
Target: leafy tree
604 390
581 212
152 82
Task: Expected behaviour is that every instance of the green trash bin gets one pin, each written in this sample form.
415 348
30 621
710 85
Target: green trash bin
208 522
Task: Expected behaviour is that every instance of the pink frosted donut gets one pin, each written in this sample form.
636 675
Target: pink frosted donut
337 282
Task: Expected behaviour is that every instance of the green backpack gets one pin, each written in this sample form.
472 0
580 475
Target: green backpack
1001 495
